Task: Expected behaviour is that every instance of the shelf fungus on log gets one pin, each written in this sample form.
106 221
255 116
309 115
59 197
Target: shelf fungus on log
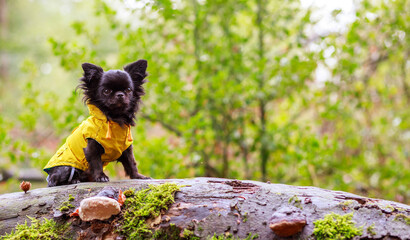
101 207
287 221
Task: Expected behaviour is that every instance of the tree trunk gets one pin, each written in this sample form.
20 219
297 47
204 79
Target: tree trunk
208 206
264 152
3 36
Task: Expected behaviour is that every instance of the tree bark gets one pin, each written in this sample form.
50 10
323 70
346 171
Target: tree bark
208 206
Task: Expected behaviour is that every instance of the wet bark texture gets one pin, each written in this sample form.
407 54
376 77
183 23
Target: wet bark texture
209 206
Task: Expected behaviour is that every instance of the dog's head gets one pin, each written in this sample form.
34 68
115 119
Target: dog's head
116 93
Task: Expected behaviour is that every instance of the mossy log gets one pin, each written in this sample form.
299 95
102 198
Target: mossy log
206 207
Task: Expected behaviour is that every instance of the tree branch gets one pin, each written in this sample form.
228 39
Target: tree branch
164 124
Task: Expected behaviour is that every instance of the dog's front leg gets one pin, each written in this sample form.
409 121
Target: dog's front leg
128 161
93 153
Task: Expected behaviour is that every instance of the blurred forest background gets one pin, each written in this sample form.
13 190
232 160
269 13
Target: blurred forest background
292 92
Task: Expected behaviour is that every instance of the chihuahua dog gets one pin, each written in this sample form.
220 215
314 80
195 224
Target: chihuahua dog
113 98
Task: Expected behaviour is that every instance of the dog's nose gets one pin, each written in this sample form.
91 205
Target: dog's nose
119 95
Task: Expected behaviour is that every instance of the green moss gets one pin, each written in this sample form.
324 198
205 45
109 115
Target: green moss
295 201
144 204
335 226
71 198
46 229
172 232
251 236
128 193
168 234
370 230
188 234
388 208
231 237
347 203
220 237
245 217
403 218
65 206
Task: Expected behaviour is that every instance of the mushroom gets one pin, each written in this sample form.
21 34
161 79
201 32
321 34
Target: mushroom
287 221
25 186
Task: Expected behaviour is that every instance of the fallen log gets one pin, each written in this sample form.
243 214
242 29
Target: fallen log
206 207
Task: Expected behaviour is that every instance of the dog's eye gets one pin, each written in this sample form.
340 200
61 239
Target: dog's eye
107 91
128 90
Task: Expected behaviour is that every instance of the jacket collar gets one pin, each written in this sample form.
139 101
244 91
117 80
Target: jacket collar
96 112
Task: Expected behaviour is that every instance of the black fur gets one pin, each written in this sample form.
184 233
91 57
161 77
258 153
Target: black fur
60 175
93 153
118 95
95 80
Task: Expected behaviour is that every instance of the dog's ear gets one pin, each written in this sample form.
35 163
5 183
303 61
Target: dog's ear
91 72
137 70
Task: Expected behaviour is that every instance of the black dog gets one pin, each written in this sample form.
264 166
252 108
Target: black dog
113 98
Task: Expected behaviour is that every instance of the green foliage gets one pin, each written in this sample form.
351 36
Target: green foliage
335 226
44 230
144 204
158 156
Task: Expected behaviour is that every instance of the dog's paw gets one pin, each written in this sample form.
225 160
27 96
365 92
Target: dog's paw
140 176
102 178
51 184
75 181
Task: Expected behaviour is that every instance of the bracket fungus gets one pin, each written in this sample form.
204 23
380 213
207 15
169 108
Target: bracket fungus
287 221
100 208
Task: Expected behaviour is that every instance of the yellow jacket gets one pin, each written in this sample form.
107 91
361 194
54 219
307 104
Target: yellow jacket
114 138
